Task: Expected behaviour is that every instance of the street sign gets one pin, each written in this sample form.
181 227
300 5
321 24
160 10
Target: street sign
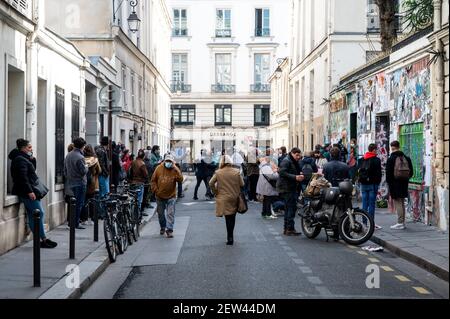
104 96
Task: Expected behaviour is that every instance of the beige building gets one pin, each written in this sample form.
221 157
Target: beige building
101 29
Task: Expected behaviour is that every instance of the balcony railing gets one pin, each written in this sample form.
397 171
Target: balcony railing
180 87
259 87
223 88
177 32
23 6
223 33
262 32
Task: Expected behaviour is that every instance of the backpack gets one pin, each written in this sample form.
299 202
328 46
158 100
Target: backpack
363 172
401 168
307 171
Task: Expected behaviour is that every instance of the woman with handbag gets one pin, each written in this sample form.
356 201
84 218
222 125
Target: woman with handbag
226 184
27 187
266 187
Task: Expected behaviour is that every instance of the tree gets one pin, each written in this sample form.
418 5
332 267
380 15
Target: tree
388 31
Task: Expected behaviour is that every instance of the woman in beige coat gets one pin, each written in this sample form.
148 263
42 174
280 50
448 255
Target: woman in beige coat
226 184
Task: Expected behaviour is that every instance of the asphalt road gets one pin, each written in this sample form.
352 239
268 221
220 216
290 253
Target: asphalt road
263 263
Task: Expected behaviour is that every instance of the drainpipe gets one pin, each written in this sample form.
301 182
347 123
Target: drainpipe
438 114
32 73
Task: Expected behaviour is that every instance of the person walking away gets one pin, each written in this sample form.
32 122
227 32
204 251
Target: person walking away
335 171
24 177
226 184
288 188
103 159
139 176
201 173
75 170
369 175
353 159
399 171
212 166
92 185
164 186
283 155
252 165
308 167
266 187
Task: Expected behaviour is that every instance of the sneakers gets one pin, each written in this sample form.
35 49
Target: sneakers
47 243
398 227
169 233
162 231
195 198
377 227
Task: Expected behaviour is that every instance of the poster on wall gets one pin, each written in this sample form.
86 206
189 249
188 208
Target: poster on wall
382 129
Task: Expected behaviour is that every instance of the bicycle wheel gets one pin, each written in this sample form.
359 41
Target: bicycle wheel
110 242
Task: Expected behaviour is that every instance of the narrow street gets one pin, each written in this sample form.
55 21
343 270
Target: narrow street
263 263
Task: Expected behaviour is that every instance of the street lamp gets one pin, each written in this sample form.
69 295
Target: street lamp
133 20
279 71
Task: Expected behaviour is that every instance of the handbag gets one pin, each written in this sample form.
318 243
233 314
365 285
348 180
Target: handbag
39 189
242 206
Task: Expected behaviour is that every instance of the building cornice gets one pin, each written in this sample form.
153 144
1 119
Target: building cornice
312 56
223 45
263 45
15 19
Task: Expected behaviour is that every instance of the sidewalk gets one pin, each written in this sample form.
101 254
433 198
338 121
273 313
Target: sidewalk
425 246
16 266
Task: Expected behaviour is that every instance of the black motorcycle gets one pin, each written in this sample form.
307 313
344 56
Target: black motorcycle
333 210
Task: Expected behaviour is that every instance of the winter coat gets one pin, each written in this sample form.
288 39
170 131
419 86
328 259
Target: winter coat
281 159
75 169
102 155
164 182
335 172
95 170
264 187
397 188
155 160
116 168
201 167
139 173
23 172
311 161
289 170
375 173
226 184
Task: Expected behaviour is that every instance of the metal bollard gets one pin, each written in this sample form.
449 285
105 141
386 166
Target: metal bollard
95 217
72 217
36 248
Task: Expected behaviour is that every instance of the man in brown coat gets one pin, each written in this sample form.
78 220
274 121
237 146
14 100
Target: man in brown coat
164 186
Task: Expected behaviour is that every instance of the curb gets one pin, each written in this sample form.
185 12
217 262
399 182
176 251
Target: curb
423 263
90 270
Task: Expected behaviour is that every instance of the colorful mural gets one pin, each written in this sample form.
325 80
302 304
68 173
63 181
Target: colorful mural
339 121
382 141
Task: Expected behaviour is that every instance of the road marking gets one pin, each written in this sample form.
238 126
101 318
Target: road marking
422 290
189 204
363 253
279 238
315 280
259 237
387 268
298 261
282 243
374 260
274 233
402 278
292 254
324 292
305 270
287 248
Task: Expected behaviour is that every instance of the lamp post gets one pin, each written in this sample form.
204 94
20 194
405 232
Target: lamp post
134 22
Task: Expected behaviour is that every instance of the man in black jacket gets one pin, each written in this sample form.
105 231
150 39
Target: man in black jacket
335 171
398 186
370 178
103 159
23 173
287 186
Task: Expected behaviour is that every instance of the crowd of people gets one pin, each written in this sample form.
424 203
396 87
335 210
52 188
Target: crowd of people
275 178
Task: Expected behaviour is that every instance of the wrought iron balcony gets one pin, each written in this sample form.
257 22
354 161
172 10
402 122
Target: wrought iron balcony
223 33
180 87
177 32
262 32
259 87
223 88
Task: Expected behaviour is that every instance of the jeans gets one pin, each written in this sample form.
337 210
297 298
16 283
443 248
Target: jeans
166 212
31 206
140 195
103 182
278 204
369 198
79 192
290 200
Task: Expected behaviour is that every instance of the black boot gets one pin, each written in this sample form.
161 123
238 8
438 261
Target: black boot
230 241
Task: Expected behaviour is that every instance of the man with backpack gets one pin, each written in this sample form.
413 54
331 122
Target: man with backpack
399 171
308 167
369 172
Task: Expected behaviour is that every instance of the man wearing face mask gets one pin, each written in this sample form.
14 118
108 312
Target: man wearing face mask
164 186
